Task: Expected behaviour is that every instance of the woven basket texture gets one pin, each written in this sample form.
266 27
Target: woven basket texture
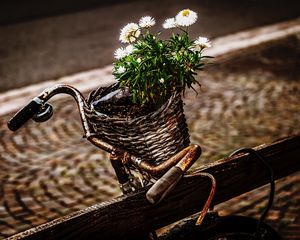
155 137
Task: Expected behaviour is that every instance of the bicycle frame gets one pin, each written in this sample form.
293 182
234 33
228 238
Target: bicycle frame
168 173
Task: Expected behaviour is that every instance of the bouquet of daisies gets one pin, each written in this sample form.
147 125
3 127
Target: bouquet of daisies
153 68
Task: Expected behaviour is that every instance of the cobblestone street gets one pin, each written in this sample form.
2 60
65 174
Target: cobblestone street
48 170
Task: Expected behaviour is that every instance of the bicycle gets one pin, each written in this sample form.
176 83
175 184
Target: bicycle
133 172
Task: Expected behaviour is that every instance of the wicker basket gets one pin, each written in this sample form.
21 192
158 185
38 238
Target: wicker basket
155 137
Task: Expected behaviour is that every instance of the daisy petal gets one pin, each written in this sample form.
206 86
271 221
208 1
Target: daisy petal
121 70
120 53
146 22
170 23
130 33
186 17
202 42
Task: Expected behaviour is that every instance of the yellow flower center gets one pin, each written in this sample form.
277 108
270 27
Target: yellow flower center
186 12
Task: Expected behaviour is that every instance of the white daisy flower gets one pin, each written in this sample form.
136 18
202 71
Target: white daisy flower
139 60
121 70
120 53
146 22
200 43
186 17
161 80
170 23
130 33
129 49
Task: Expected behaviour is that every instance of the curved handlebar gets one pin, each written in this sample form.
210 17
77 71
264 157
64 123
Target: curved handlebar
67 89
35 105
22 116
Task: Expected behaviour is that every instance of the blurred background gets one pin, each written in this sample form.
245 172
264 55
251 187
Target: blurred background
41 41
248 97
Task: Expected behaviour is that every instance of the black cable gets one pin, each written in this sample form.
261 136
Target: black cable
271 177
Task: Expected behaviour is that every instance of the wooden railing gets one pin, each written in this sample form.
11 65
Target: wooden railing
129 217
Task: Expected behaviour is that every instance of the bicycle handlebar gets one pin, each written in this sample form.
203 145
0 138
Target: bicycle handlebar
164 185
23 115
36 105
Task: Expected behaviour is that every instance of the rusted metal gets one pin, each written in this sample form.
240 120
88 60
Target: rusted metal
66 89
120 170
95 140
116 159
210 197
193 153
168 181
121 160
188 155
81 103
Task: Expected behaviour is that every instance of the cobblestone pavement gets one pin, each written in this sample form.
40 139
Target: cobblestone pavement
284 215
48 170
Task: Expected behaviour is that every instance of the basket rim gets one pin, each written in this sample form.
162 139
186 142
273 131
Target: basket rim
152 114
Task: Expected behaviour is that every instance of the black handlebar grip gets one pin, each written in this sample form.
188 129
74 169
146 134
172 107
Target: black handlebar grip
164 185
22 116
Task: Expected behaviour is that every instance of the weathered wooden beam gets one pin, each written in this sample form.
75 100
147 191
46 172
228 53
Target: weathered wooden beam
129 216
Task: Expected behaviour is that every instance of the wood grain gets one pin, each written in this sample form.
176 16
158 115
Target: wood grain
131 216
